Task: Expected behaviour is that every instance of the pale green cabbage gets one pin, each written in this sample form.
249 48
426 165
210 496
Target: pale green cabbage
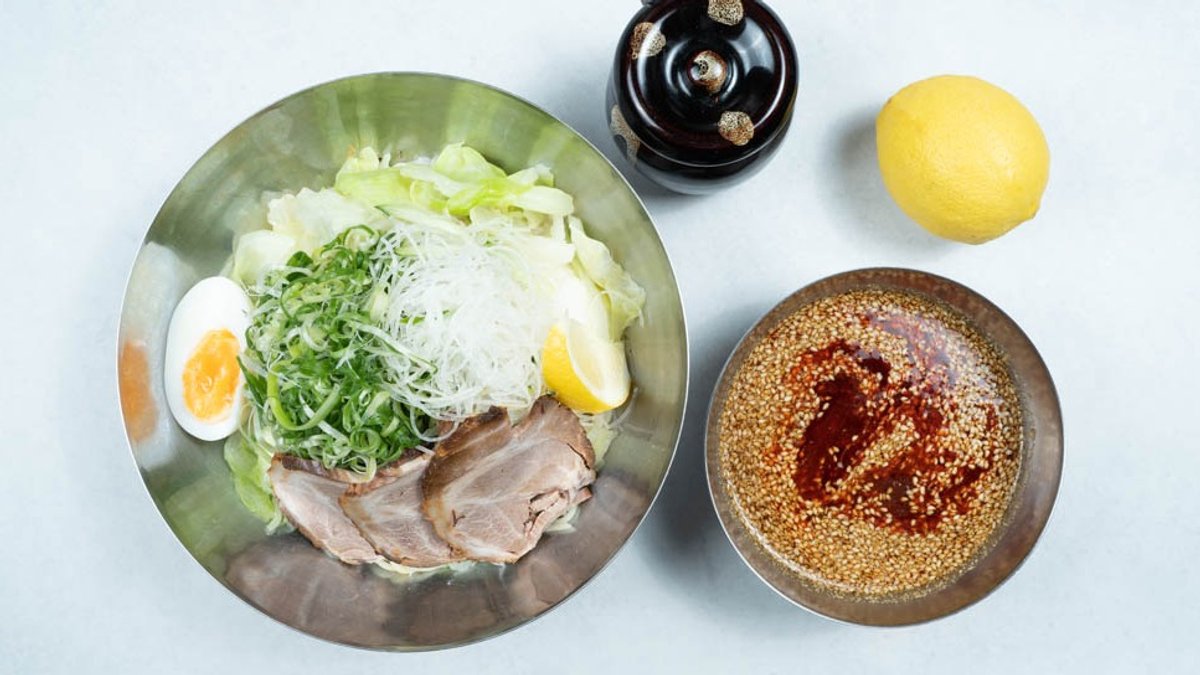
249 463
451 216
624 296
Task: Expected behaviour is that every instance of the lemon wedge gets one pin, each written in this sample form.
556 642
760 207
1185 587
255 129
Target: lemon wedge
586 372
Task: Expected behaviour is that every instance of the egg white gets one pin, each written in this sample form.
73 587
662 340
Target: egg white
214 303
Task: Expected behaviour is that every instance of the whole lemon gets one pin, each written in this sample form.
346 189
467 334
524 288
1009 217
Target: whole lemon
962 157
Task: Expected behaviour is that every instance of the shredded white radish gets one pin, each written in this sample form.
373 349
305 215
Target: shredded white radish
471 309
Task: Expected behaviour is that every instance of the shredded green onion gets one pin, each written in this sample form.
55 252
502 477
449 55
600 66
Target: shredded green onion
315 363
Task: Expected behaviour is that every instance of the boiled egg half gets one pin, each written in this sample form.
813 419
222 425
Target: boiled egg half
204 383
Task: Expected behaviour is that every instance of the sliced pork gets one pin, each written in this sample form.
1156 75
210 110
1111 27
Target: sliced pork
308 495
387 511
492 488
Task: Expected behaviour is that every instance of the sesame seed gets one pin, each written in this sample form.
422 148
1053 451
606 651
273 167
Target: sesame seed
871 442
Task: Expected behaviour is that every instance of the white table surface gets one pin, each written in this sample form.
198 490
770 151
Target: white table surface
104 105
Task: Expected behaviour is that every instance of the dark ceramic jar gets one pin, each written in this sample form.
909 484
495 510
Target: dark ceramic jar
701 91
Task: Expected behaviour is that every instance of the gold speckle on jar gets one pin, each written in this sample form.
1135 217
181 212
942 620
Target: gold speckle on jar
646 40
620 128
736 127
728 12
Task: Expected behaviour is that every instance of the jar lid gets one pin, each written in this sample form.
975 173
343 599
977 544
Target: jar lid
704 82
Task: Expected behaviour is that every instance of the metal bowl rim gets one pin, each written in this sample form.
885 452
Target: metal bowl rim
684 345
711 449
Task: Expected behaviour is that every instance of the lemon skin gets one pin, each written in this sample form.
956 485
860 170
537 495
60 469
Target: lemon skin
962 157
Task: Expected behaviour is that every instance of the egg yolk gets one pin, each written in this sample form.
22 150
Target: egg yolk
210 376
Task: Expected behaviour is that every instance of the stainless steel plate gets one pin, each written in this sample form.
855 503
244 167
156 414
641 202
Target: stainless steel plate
300 142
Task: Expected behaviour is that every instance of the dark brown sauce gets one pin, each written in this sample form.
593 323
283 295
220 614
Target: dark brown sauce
862 403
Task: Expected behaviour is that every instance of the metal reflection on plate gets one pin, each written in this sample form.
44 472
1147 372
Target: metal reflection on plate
300 142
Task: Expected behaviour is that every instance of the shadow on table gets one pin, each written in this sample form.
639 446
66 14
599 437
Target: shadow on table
850 174
682 533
